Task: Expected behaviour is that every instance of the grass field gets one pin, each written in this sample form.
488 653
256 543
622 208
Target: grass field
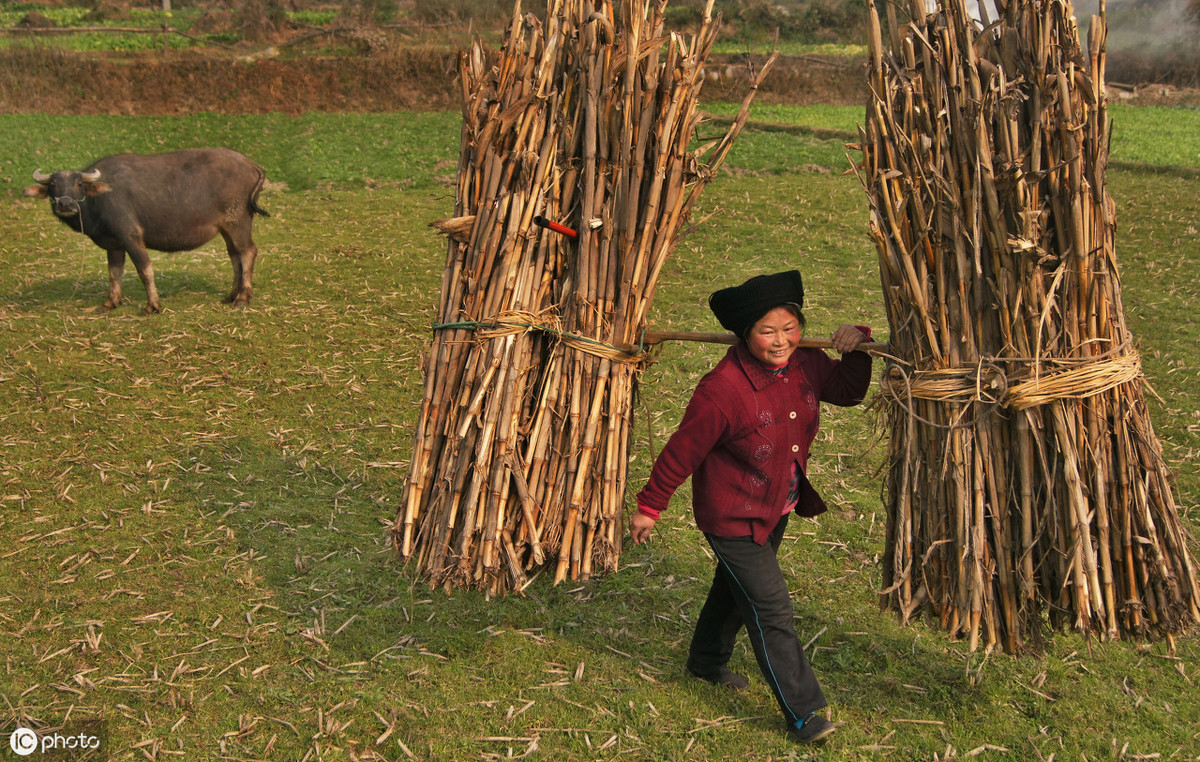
194 505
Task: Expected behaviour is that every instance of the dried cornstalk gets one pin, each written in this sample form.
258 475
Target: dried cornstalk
1026 486
520 454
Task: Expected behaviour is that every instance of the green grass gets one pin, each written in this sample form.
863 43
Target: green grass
303 152
735 45
152 20
420 150
1156 136
193 505
1159 136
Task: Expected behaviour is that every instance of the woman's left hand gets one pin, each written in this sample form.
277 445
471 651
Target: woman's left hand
846 338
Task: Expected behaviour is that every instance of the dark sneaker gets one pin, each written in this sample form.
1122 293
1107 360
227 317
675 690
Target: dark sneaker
811 729
723 676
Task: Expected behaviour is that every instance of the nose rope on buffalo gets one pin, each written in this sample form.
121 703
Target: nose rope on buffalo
39 177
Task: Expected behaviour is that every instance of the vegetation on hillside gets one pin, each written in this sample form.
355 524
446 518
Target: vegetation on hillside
796 23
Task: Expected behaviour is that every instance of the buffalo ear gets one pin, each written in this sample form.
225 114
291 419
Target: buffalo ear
36 191
95 189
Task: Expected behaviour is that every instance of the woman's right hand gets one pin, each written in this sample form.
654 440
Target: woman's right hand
639 527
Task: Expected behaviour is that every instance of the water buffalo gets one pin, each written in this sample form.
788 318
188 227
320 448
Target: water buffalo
167 202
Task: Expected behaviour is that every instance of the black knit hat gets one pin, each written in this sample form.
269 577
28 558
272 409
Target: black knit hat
738 308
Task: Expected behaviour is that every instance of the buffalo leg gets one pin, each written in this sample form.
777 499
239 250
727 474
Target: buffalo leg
116 271
141 260
242 254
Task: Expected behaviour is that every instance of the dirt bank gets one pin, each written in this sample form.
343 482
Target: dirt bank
55 82
181 83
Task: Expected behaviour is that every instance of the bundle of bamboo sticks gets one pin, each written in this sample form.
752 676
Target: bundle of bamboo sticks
586 124
1026 487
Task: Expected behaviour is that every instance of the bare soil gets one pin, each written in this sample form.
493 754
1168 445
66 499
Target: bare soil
181 83
54 82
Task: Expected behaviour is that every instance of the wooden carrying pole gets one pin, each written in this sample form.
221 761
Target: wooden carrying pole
650 338
577 171
1026 486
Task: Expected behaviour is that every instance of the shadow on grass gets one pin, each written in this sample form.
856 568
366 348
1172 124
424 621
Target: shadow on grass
88 291
615 644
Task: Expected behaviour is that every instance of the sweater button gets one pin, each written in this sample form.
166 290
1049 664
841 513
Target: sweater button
792 414
795 448
748 507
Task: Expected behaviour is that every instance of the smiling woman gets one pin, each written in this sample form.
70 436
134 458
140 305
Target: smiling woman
774 337
745 442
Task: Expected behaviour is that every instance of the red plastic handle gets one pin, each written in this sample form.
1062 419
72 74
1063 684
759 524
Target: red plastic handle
541 221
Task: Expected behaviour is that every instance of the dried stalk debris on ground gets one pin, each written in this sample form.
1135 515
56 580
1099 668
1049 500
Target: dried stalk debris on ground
1026 486
587 121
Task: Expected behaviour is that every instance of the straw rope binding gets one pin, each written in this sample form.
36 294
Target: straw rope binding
511 323
1029 385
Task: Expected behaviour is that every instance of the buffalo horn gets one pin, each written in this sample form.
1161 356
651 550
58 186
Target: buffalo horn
40 177
90 177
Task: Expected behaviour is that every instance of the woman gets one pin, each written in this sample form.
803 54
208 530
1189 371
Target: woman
745 440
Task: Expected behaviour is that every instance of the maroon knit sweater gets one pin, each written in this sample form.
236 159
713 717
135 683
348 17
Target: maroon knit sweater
743 429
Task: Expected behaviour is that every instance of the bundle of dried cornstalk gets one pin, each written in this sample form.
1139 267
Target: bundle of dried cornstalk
1026 487
585 125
